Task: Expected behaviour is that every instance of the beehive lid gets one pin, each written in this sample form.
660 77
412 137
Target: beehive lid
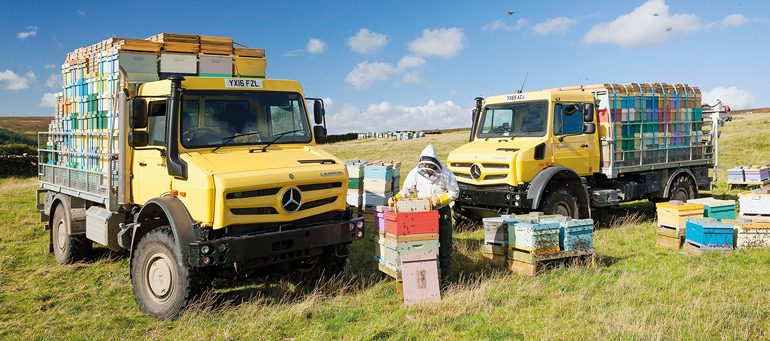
711 202
680 208
756 193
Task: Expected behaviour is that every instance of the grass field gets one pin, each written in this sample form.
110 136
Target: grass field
29 126
635 291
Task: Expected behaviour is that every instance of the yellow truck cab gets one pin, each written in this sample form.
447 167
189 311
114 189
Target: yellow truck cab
564 151
203 177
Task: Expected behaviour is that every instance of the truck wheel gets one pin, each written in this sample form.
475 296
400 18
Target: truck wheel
163 285
67 248
682 189
560 201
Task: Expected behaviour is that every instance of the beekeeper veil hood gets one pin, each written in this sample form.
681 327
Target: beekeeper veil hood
429 166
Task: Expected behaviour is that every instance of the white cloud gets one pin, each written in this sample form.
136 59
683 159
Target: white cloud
31 31
82 13
48 100
441 42
54 81
732 96
293 53
365 74
390 117
316 46
11 81
499 25
367 42
558 26
736 20
50 66
648 24
328 104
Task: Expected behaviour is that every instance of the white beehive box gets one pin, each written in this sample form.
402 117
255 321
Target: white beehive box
413 205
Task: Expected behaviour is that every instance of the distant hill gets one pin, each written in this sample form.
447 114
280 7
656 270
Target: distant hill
11 137
28 126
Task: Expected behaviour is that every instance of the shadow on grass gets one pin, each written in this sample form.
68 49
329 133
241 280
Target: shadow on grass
642 211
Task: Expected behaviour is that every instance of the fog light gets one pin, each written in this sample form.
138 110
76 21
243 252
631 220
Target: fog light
205 249
507 197
352 226
360 224
206 260
222 248
360 234
518 197
516 204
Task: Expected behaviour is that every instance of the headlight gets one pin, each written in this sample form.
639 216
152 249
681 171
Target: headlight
360 224
222 248
518 197
205 249
352 227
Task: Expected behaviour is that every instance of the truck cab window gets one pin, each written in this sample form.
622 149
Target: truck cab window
156 127
514 119
567 120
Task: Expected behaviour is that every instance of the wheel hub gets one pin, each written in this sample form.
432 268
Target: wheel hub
159 277
61 235
562 210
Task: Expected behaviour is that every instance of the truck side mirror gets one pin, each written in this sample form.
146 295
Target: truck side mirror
319 132
589 128
138 138
137 109
588 113
318 111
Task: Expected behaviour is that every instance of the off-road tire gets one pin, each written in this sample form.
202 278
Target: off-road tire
682 189
163 283
67 248
560 200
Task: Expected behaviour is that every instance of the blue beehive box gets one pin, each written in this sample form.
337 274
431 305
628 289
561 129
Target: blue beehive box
710 234
715 208
378 171
736 174
576 234
529 234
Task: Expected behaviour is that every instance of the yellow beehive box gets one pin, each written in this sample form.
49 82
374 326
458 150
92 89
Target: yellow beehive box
676 213
250 67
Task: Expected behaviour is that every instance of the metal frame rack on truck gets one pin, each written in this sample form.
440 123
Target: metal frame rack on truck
195 164
568 150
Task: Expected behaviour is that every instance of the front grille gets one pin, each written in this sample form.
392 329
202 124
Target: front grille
238 229
462 175
317 187
496 165
251 194
461 164
495 176
253 211
311 204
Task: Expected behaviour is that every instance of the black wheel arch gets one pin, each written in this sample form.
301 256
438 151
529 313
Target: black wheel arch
675 174
162 211
567 178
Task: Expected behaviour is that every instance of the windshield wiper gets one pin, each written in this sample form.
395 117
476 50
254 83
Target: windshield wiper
264 149
512 136
231 138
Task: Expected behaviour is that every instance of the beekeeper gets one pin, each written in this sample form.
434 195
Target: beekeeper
430 180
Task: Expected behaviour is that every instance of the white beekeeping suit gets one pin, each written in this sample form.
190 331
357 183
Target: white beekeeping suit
430 180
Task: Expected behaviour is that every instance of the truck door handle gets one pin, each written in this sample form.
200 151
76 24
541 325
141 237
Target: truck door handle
142 163
584 145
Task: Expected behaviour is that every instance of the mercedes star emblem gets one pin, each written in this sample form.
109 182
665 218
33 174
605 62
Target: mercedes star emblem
291 200
476 172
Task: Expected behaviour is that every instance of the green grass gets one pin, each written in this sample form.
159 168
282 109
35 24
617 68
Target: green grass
635 290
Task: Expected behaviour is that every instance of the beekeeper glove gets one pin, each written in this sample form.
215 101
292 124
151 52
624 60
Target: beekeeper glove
392 201
436 201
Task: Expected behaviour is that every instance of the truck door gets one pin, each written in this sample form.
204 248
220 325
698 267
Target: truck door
151 177
571 148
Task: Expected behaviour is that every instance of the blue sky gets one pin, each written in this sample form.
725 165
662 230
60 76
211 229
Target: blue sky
416 65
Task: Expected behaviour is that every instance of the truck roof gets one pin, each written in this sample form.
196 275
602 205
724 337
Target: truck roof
163 88
541 95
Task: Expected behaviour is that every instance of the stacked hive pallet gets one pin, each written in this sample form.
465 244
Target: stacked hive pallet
396 178
378 183
355 195
708 234
753 225
715 208
495 247
650 123
410 228
533 243
74 153
672 222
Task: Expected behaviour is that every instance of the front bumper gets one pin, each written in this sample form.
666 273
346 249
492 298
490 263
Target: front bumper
506 198
275 247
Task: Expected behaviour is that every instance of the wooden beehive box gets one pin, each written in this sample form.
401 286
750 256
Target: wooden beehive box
411 222
675 213
755 202
413 205
420 278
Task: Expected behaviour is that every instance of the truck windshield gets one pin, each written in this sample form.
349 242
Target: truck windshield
514 119
212 118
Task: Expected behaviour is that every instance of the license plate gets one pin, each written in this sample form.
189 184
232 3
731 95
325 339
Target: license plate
243 83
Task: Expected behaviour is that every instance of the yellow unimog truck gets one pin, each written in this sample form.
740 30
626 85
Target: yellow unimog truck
196 178
568 150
